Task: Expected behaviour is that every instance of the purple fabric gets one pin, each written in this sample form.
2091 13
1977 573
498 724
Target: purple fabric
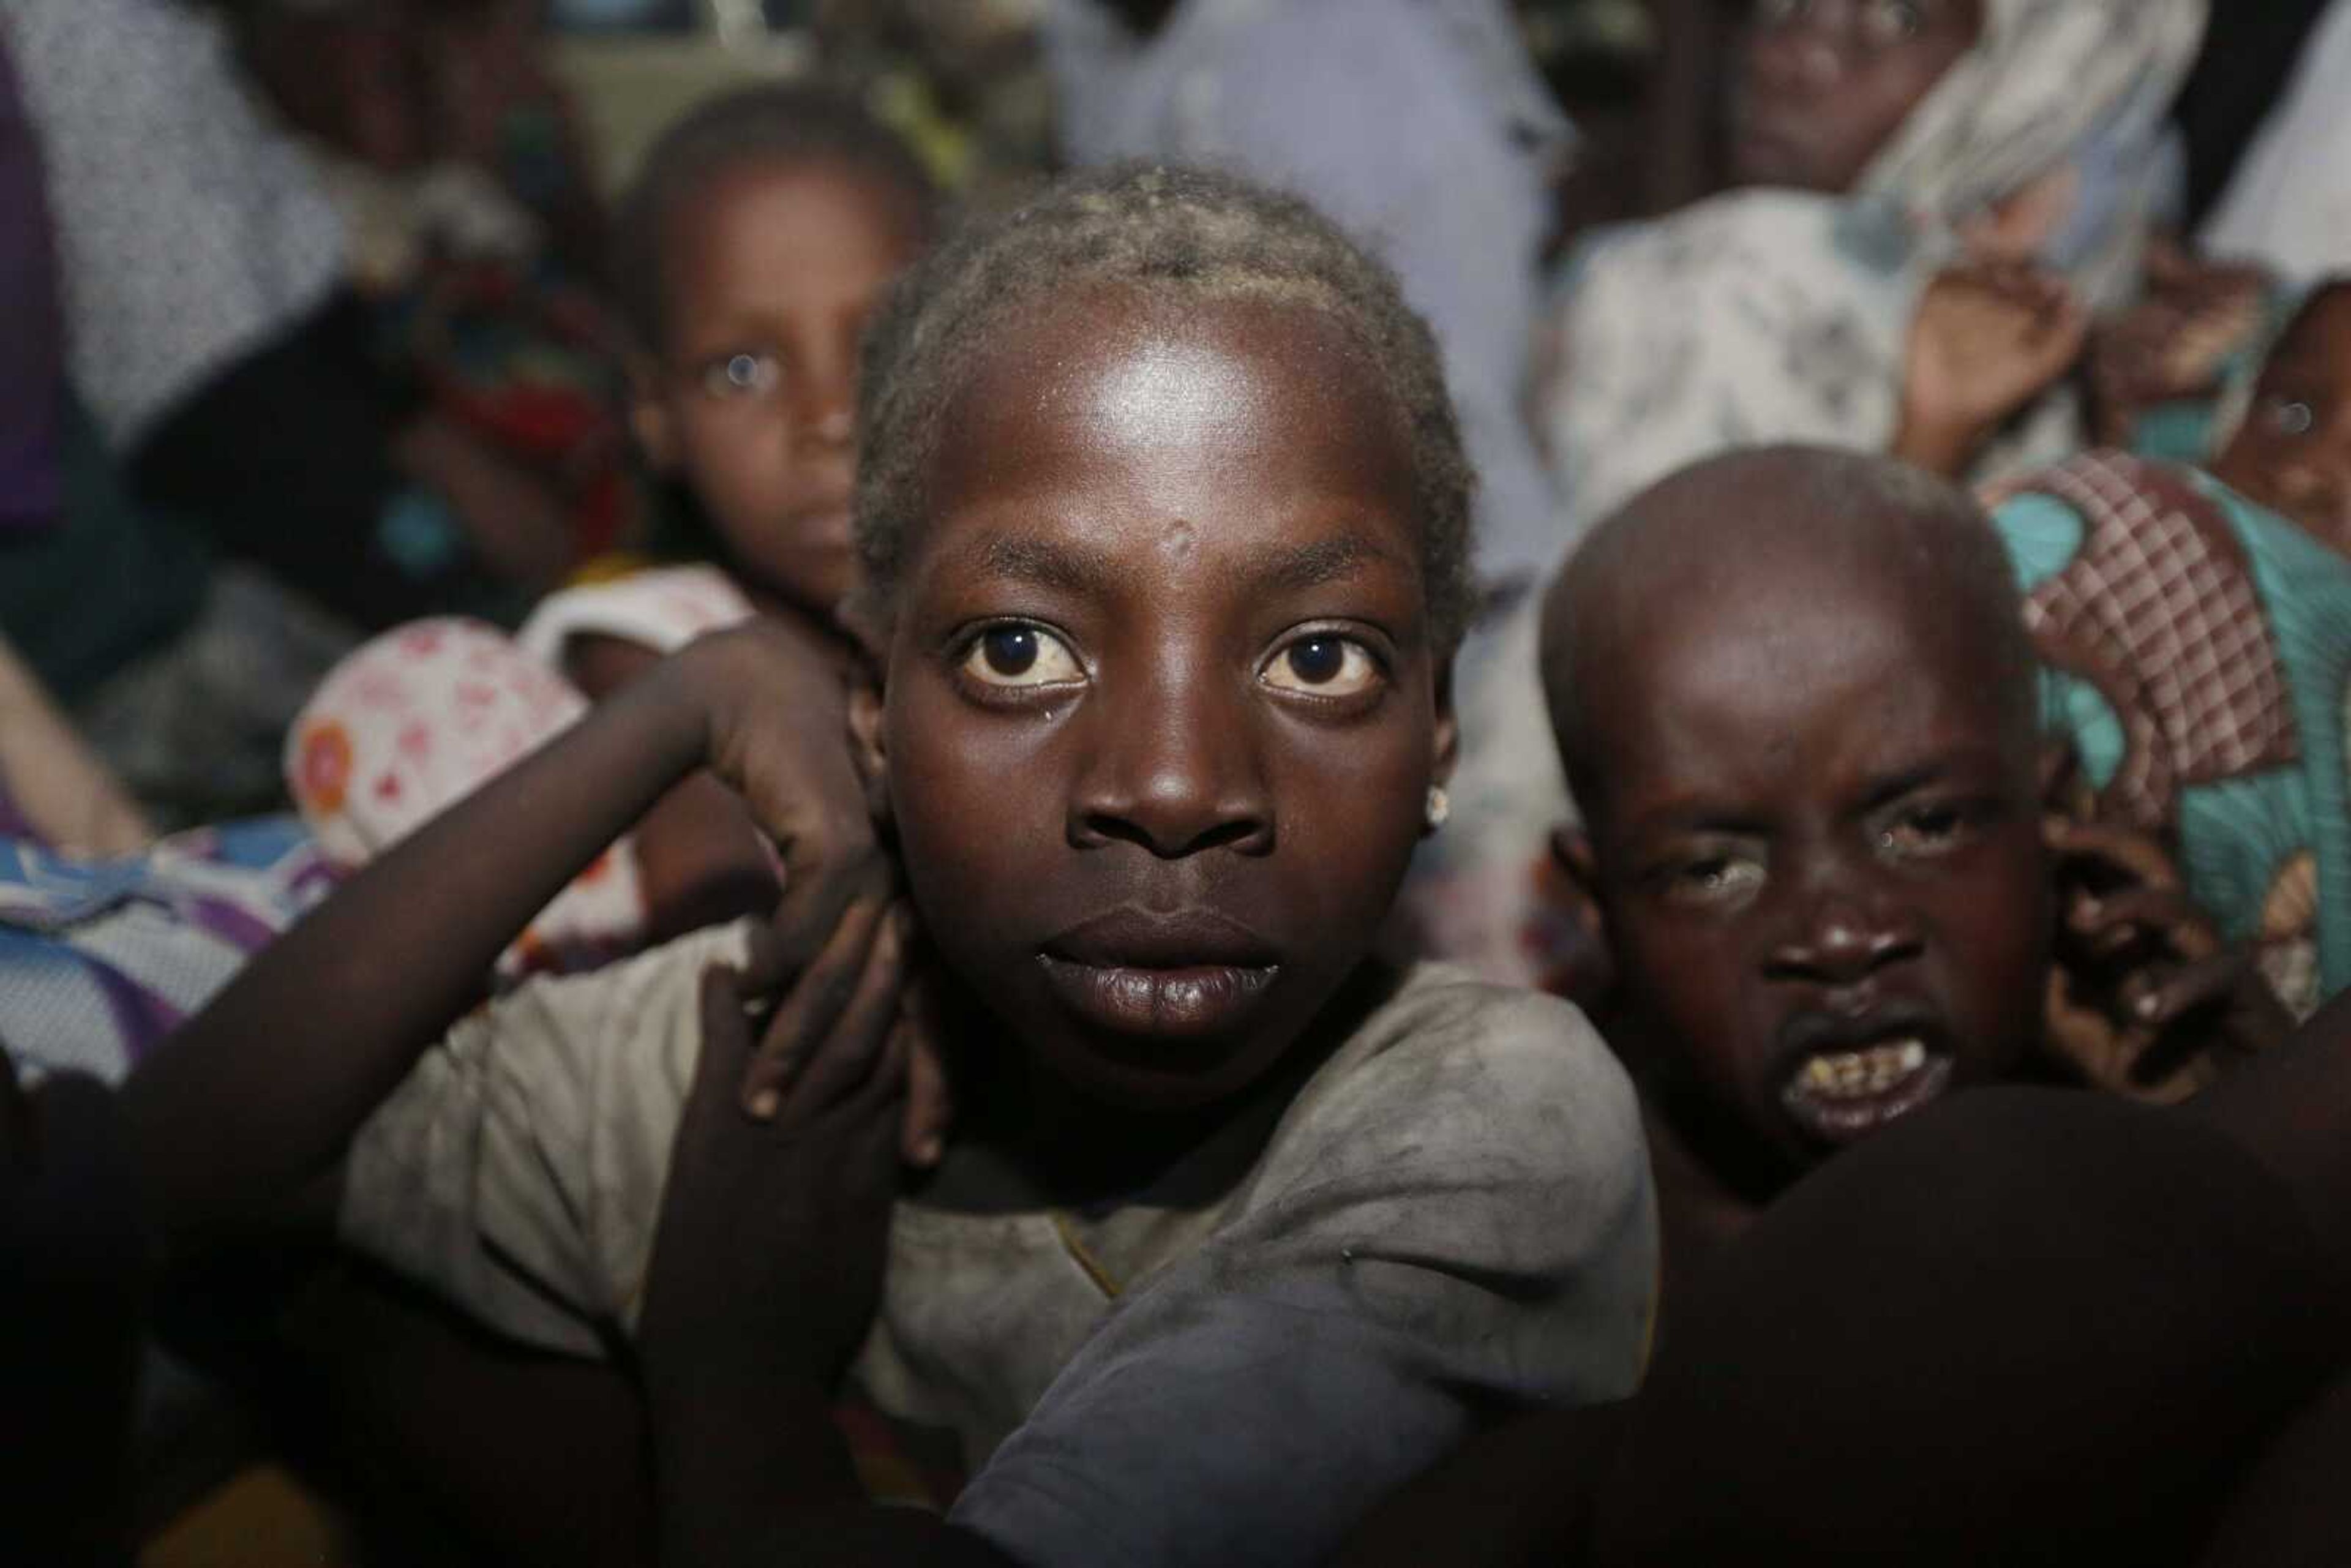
31 366
13 823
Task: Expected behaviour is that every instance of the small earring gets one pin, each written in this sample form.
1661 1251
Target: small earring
1439 809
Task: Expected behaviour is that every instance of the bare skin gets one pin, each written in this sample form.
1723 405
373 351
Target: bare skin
1174 590
2292 454
1790 854
769 277
1988 338
1822 84
380 971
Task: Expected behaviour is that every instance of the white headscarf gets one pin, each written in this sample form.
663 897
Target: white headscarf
1783 316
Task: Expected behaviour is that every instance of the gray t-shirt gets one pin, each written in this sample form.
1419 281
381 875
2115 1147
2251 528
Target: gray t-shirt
1454 1210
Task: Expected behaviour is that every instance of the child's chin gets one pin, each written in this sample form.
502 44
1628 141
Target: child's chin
1157 1072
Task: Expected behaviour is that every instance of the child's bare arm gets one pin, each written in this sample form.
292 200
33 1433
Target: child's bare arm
698 854
260 1091
769 1259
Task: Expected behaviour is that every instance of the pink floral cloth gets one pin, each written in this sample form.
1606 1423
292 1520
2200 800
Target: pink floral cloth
425 714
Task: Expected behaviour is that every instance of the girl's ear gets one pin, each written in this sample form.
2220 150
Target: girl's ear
649 418
867 746
1587 972
1449 730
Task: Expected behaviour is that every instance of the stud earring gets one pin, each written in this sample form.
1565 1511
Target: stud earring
1439 809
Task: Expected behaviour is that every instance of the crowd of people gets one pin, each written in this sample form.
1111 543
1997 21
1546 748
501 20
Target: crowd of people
1277 843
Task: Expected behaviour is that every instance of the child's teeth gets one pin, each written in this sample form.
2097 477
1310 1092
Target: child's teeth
1859 1074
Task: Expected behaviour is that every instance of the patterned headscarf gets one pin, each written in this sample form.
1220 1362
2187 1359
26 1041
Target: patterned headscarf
2197 653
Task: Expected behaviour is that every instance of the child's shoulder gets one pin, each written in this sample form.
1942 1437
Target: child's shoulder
1459 1082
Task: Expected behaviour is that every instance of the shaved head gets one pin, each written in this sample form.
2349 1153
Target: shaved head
1764 535
1797 704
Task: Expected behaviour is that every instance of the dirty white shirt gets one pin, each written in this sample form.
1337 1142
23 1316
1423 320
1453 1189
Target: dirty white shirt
1456 1209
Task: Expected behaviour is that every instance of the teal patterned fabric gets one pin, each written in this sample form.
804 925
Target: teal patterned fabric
2197 652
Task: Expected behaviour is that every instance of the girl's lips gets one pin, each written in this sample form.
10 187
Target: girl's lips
1185 1002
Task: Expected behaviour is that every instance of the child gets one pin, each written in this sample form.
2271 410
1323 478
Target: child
1162 534
1812 842
2027 1326
2292 452
749 254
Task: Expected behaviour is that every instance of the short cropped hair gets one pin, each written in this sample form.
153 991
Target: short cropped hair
1849 510
774 124
1162 233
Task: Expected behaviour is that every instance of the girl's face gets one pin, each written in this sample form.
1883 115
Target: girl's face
1163 706
1822 84
2292 454
770 274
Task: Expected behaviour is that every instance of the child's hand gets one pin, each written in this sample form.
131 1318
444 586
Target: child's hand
2176 341
774 704
767 1262
2144 996
1988 338
776 707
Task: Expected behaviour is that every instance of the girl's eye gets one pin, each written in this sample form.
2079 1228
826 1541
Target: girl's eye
1923 831
1713 880
1889 22
742 376
2289 416
1021 657
1326 664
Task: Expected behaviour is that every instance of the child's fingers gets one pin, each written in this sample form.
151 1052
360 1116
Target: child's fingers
885 1087
2167 914
930 1104
930 1094
2206 983
874 1107
813 909
726 1038
808 1011
2127 852
767 963
808 802
855 1044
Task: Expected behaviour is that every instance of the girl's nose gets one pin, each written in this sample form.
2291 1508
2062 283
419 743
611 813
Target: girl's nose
1174 770
1800 55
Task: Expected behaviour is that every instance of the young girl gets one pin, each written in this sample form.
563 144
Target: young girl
1164 559
753 247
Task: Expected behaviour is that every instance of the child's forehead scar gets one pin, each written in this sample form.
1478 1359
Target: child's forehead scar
1071 565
